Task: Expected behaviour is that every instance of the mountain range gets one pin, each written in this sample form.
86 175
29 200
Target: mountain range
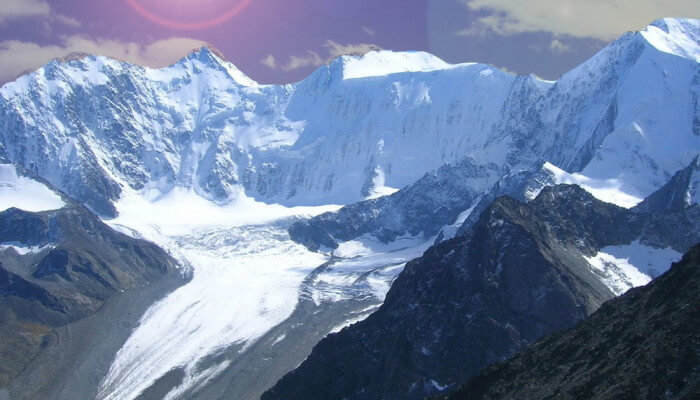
383 229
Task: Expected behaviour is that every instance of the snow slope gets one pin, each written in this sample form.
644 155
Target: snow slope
608 190
25 193
628 266
378 63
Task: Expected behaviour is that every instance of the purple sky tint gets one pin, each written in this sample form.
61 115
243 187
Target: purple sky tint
277 41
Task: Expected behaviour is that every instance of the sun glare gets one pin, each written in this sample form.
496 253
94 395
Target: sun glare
188 14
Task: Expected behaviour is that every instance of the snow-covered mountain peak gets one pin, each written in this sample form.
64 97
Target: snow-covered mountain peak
385 62
678 36
94 126
208 56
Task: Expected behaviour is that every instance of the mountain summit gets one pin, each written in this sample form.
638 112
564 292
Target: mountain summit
97 128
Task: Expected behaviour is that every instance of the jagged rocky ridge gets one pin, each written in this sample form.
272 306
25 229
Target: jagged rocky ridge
643 345
95 127
60 266
450 200
434 205
680 192
422 208
519 274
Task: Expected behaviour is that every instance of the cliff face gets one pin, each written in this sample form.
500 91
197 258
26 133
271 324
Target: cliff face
642 345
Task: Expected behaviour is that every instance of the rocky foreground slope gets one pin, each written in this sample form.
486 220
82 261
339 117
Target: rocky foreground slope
643 345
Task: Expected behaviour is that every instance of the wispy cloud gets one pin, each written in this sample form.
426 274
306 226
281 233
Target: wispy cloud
599 19
269 61
17 57
314 59
558 47
66 20
369 31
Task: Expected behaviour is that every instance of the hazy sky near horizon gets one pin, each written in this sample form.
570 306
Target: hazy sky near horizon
280 41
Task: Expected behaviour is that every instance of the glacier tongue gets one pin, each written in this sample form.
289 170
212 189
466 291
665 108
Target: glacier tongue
246 278
246 281
246 275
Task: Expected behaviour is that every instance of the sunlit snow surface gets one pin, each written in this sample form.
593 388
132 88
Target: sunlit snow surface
25 193
23 249
608 190
246 279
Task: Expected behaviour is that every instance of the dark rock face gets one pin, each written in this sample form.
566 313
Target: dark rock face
423 207
642 345
78 263
522 185
518 274
680 192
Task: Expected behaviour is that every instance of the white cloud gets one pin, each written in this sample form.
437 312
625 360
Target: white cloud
337 49
17 9
14 9
269 61
66 20
557 47
17 57
369 31
600 19
310 59
314 59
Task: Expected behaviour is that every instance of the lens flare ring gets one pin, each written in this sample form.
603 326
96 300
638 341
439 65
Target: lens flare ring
218 20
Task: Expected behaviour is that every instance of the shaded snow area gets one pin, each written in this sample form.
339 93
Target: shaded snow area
246 279
25 193
628 266
365 267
